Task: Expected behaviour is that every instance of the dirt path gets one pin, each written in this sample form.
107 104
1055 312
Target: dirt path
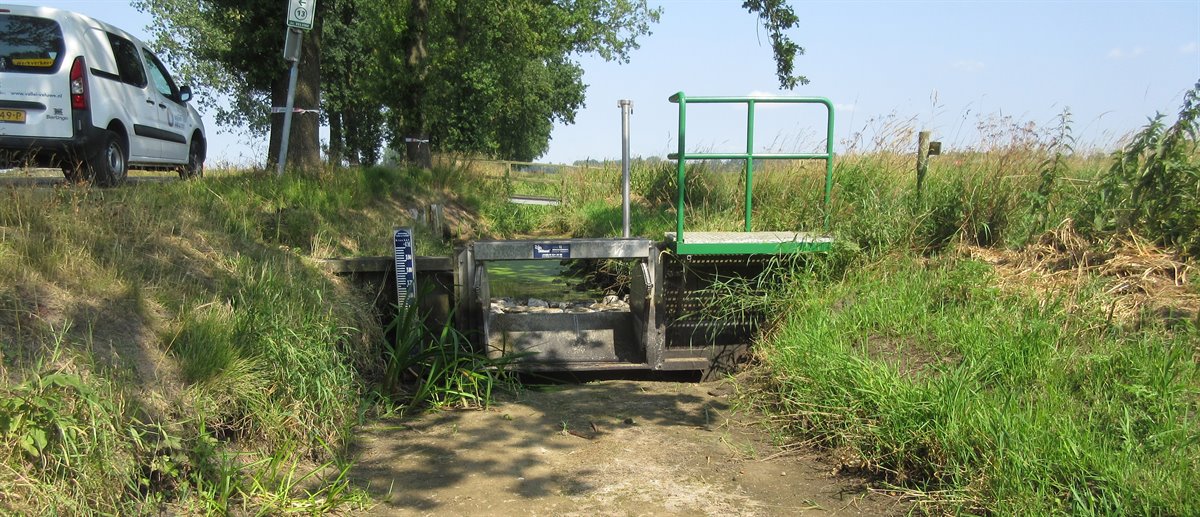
601 448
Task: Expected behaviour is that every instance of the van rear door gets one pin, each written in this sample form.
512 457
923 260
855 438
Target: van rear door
34 83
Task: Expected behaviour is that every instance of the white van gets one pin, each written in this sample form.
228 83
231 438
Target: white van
80 94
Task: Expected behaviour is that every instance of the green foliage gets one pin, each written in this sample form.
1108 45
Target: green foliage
38 413
474 77
485 78
488 80
1050 173
1153 185
778 17
231 366
983 401
439 368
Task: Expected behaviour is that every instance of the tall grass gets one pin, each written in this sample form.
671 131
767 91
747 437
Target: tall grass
440 368
233 368
980 400
1026 177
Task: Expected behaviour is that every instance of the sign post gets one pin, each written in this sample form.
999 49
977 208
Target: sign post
300 16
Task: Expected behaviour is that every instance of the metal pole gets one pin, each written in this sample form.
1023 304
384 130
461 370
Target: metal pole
681 171
749 161
626 108
287 115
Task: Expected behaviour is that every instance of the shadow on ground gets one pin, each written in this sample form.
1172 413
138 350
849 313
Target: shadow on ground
620 447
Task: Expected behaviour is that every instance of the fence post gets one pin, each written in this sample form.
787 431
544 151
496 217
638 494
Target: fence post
922 160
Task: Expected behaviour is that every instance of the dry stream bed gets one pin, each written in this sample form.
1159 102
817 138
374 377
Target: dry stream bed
615 447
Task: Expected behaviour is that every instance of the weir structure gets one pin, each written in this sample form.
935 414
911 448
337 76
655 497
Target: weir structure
667 321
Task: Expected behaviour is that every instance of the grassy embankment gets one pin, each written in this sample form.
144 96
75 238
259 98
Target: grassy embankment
1059 375
1009 341
173 346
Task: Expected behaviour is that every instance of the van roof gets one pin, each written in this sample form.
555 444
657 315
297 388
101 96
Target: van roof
63 15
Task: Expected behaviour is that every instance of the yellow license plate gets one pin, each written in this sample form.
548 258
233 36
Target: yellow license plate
13 116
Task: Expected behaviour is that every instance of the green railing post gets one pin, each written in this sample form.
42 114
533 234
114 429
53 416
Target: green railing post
749 160
681 181
749 156
828 166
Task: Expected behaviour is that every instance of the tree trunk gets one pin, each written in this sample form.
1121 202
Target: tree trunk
304 146
304 150
414 132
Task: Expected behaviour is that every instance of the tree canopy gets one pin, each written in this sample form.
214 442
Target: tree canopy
486 77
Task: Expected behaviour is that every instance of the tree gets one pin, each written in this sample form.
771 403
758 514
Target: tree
487 77
355 116
492 77
234 47
777 17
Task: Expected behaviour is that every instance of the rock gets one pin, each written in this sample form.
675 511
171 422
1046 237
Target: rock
610 303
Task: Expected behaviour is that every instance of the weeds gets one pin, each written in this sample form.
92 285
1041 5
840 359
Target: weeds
192 309
442 369
1153 185
983 401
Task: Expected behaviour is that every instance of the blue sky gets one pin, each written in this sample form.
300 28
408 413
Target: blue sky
944 65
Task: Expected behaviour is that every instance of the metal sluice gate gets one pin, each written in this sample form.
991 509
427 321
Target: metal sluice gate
668 325
562 339
673 319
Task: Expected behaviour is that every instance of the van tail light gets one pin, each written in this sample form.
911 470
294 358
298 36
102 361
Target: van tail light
79 93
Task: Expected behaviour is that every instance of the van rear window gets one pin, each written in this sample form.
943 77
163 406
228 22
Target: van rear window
29 44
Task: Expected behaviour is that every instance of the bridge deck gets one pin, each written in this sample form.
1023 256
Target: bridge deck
749 243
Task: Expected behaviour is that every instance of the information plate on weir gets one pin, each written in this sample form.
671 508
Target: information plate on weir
551 251
406 282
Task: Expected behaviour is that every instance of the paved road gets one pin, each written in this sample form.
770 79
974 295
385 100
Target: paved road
49 181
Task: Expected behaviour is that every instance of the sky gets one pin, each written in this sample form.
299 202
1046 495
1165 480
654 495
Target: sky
946 66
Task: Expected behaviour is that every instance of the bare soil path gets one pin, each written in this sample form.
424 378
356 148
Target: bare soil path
602 448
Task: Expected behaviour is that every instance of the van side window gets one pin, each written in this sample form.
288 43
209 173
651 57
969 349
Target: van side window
159 76
129 67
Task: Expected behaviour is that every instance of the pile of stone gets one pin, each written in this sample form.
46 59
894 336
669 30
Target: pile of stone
610 303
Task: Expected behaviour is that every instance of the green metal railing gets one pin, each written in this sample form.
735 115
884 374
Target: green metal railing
749 156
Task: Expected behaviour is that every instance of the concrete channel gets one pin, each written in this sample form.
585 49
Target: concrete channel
659 323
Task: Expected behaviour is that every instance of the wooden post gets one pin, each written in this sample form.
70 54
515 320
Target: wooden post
922 160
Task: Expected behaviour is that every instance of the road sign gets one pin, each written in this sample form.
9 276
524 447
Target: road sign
301 13
291 45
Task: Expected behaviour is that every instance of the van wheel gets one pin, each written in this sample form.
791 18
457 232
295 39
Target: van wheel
195 164
110 168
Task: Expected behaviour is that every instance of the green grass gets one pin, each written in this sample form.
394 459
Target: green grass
980 400
174 348
237 366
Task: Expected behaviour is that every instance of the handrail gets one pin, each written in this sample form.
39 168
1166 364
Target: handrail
749 156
